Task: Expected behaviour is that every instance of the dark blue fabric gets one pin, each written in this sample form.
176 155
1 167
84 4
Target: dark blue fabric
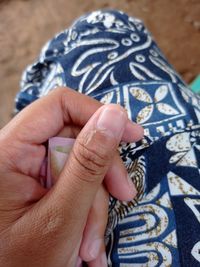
113 58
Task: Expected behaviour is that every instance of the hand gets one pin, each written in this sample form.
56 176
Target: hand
41 227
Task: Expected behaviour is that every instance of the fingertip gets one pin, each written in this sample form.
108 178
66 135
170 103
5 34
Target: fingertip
132 193
118 182
133 132
100 261
90 250
123 190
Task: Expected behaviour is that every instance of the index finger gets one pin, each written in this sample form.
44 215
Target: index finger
47 116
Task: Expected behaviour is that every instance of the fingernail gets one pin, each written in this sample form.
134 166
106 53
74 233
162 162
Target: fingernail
113 121
103 260
131 186
95 248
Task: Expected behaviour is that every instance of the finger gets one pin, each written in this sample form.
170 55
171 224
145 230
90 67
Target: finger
47 116
70 200
100 261
133 132
93 238
118 182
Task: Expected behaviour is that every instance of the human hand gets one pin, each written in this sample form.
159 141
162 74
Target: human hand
41 227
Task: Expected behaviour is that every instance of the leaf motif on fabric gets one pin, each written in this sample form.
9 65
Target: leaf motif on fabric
166 109
179 142
161 93
195 251
106 99
141 95
176 157
144 114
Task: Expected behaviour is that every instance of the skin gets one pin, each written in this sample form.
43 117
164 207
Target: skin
40 227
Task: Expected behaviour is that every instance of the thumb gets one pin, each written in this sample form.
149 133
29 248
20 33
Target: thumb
95 147
67 204
92 154
88 162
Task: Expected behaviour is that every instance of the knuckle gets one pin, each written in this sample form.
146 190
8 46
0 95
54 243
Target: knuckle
89 161
91 156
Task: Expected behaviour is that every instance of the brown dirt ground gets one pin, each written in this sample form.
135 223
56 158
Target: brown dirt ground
26 25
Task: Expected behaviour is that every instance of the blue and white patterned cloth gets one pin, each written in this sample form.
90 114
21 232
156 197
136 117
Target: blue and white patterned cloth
113 58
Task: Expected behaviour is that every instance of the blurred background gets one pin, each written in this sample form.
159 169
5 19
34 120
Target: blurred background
25 25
